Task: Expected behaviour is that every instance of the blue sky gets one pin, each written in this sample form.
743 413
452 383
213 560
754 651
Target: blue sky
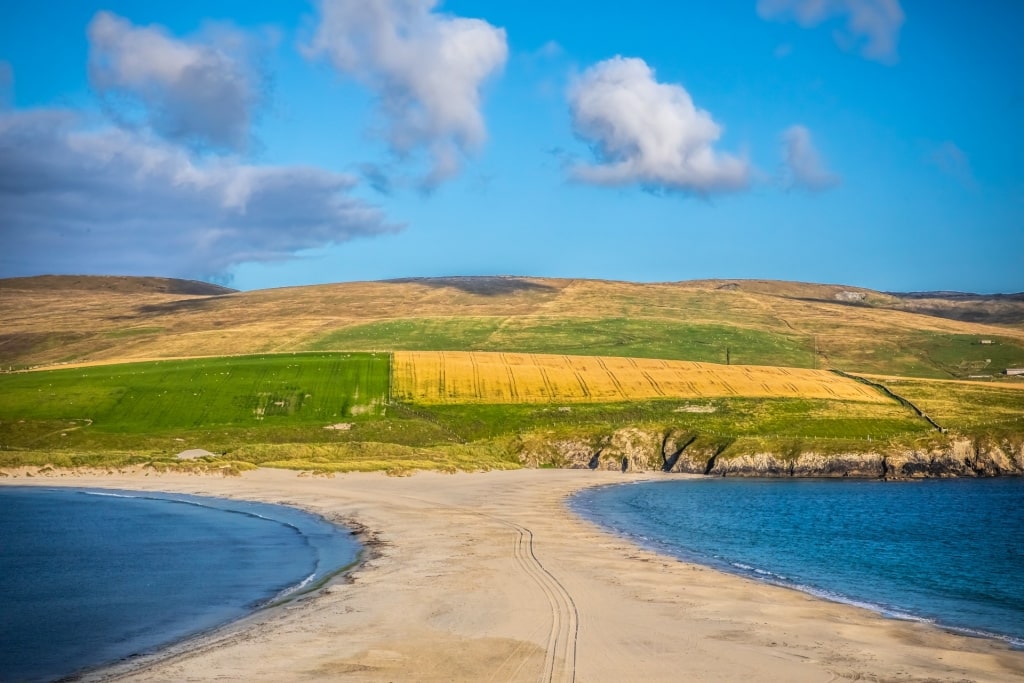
866 142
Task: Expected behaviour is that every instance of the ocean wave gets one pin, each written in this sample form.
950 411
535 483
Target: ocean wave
291 590
105 494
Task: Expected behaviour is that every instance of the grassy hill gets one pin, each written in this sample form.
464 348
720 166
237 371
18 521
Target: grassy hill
61 320
271 369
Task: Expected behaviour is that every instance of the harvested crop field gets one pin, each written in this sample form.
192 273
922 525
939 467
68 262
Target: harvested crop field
475 377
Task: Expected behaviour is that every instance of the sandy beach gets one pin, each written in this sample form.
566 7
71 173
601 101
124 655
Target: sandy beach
489 577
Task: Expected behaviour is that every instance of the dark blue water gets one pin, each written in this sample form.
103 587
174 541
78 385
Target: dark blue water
946 551
90 577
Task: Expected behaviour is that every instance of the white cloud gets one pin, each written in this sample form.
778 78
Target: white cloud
426 68
201 92
875 24
802 164
115 201
648 132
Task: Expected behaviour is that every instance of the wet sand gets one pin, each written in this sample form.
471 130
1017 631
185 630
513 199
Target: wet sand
489 577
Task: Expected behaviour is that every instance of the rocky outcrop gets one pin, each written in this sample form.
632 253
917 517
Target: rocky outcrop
631 450
962 458
634 449
563 453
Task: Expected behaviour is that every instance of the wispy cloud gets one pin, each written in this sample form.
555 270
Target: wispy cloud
426 68
802 164
120 201
203 91
648 133
6 83
873 25
953 161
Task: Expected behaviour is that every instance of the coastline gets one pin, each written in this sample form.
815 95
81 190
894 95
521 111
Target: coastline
149 569
492 576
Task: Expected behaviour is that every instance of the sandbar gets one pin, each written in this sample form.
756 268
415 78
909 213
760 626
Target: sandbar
490 577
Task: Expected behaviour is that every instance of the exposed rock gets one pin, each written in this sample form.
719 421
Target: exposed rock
852 297
564 453
631 449
695 409
756 464
193 454
634 449
861 465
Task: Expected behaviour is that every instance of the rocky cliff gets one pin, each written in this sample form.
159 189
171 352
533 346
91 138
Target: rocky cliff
634 449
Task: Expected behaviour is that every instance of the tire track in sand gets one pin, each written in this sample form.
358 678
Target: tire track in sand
560 650
560 653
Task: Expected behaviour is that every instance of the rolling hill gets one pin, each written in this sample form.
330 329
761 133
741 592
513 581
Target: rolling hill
738 377
62 319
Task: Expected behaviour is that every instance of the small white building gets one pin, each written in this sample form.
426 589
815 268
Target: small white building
1013 371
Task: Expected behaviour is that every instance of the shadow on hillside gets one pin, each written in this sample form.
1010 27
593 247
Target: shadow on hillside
1002 316
196 288
997 309
837 302
170 307
481 286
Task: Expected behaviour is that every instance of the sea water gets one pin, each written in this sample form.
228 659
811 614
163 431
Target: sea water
945 551
89 577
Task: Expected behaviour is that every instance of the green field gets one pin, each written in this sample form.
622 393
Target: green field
724 417
917 354
963 406
419 334
636 338
923 354
257 394
272 410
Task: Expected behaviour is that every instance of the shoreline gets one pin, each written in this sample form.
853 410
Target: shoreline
333 549
738 569
471 576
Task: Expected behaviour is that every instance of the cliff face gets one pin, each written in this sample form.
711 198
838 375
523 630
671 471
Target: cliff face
632 449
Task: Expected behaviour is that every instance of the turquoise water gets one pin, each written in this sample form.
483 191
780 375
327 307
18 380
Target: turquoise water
92 577
950 552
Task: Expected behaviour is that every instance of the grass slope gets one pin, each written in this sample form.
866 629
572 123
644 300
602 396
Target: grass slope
965 406
272 410
149 412
159 404
758 323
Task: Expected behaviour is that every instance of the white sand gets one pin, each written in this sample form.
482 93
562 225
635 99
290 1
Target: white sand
489 577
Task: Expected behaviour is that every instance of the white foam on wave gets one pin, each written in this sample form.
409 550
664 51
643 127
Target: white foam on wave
294 589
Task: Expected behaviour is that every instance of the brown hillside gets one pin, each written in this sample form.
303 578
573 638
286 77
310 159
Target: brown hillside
63 319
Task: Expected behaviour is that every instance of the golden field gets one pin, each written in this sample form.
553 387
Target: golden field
433 377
